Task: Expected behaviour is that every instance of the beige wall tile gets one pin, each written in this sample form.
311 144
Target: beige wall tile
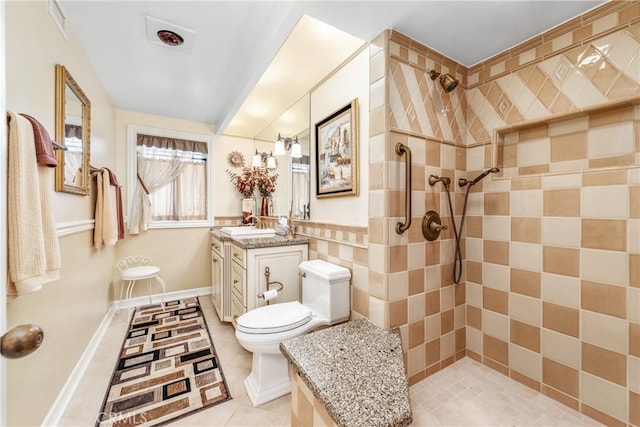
495 300
432 302
605 299
560 377
604 266
604 363
416 281
561 290
495 324
606 177
496 252
525 309
561 319
432 327
432 350
398 313
474 317
496 227
525 282
634 201
634 339
604 331
415 360
495 276
634 270
416 333
564 261
526 362
561 348
605 202
633 304
561 202
603 395
571 146
526 230
416 307
495 349
608 234
474 271
525 335
634 408
446 321
496 204
561 231
525 256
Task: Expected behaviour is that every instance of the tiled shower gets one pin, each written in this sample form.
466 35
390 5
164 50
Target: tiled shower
550 294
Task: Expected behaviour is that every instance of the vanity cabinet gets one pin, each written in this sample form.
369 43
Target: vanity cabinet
219 274
248 279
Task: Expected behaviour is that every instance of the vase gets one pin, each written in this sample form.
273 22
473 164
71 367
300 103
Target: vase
265 206
247 209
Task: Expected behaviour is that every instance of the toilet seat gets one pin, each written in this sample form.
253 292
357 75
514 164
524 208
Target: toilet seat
274 318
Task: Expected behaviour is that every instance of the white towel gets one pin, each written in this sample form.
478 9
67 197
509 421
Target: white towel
106 227
33 249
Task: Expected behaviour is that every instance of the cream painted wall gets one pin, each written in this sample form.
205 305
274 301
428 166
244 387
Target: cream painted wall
34 46
351 81
69 310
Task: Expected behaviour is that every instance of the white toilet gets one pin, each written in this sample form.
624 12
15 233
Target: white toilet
325 301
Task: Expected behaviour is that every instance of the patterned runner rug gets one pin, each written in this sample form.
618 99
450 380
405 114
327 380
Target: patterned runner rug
167 368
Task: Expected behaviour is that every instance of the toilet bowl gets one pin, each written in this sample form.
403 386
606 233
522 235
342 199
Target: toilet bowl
325 301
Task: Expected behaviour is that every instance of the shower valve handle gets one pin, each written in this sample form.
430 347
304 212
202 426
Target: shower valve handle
437 227
432 225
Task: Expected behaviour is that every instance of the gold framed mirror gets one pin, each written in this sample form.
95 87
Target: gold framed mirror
73 130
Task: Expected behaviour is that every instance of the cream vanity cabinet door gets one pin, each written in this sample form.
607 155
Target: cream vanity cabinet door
217 268
237 282
220 291
283 263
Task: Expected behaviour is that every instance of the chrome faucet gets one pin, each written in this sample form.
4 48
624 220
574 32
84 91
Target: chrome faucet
258 220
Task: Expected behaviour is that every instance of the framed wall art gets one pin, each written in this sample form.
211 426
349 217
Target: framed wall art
337 153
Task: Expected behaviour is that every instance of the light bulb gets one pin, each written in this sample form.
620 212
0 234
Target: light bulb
296 150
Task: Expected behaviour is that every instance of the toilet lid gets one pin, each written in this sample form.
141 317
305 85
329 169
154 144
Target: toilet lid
274 318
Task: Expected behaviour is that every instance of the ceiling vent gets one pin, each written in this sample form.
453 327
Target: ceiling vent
166 34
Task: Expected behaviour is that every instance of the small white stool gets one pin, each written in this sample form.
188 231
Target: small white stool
136 268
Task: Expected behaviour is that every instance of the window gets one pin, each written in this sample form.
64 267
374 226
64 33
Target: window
168 180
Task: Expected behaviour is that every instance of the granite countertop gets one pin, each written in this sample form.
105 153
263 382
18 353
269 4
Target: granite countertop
356 370
260 241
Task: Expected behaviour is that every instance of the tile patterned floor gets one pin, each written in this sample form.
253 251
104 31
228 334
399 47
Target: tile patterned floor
464 394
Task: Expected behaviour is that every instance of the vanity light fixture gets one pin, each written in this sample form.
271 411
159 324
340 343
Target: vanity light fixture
285 144
264 160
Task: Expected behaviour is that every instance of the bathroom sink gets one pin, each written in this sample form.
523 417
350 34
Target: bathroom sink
248 231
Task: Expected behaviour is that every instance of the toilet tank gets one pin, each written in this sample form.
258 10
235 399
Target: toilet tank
325 289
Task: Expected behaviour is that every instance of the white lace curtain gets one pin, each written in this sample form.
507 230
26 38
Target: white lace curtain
161 161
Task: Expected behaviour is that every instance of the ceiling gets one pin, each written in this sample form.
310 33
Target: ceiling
230 44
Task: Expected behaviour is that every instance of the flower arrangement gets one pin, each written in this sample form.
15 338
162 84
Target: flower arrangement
252 177
266 183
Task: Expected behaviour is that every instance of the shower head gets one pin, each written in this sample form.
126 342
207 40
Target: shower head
447 81
484 174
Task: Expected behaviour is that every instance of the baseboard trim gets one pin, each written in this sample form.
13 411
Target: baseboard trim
66 393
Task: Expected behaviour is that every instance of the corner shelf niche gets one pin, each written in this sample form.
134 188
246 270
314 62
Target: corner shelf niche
604 136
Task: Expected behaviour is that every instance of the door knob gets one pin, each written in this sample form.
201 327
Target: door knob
21 341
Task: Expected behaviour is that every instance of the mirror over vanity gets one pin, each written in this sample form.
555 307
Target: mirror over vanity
73 131
293 163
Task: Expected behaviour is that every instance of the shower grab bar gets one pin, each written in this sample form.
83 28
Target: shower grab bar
400 150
